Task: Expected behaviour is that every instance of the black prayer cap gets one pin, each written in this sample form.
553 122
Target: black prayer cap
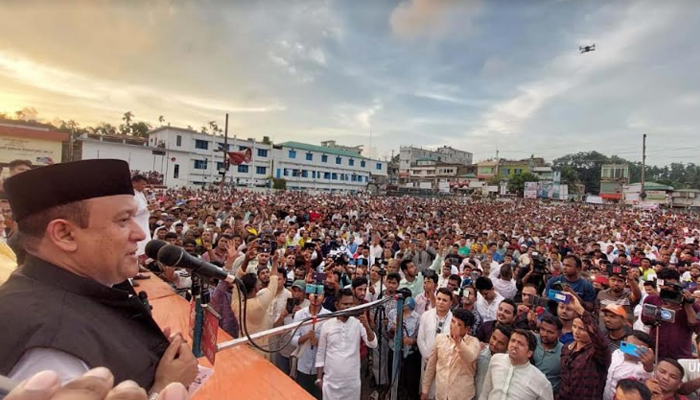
59 184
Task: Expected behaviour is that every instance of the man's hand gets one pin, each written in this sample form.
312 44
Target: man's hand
363 320
207 246
575 303
96 384
178 364
372 289
646 356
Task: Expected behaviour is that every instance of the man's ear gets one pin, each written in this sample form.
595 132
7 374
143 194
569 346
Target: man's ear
61 233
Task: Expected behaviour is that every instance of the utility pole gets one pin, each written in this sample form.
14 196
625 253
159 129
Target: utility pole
642 194
226 161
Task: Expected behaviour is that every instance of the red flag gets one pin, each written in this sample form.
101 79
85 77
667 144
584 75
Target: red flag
240 157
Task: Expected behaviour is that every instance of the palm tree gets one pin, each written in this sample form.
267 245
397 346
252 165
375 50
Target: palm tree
161 119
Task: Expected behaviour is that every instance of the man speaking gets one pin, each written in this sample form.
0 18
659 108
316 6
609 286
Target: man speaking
70 308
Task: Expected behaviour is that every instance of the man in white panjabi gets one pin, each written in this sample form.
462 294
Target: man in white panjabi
433 322
139 183
338 356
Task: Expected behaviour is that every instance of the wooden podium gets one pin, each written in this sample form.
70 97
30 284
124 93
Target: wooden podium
239 373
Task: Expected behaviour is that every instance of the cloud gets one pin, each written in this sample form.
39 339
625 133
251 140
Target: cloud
432 18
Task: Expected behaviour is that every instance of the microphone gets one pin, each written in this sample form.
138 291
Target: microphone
173 256
152 248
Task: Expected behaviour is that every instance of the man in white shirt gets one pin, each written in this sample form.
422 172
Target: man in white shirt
487 299
306 340
338 356
511 376
433 322
139 183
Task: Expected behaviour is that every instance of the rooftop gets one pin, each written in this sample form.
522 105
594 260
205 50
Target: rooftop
427 159
322 149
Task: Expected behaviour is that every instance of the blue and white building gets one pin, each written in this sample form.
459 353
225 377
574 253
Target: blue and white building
306 166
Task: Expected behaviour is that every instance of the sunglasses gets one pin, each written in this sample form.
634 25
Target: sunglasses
439 327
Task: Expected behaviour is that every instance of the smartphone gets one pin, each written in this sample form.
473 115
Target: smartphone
690 285
559 297
318 276
631 349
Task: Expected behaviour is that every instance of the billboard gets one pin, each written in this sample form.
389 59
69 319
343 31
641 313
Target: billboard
530 191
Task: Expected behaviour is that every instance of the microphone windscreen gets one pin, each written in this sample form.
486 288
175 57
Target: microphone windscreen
170 255
153 247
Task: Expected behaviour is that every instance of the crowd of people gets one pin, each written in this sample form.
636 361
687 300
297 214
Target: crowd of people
504 299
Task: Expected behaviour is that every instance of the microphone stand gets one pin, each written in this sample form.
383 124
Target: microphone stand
398 347
200 297
379 314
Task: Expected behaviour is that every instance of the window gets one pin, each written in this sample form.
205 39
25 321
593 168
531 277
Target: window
178 140
201 144
326 175
363 164
338 160
292 154
304 173
242 148
324 158
261 170
351 162
334 176
243 168
200 164
176 171
262 152
518 171
342 177
313 174
366 178
309 157
295 172
379 166
506 171
220 166
286 172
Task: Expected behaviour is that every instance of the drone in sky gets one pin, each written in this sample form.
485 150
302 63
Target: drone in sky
586 49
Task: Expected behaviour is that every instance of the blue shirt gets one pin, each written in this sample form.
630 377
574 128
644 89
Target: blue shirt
549 362
582 287
566 338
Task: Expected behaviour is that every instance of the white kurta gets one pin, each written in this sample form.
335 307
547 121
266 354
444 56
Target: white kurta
142 215
339 355
514 382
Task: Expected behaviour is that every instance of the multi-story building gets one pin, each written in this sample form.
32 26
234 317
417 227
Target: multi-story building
612 179
509 168
306 166
408 155
429 173
183 157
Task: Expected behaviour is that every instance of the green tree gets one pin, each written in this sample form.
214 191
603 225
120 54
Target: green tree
279 183
140 129
587 166
516 184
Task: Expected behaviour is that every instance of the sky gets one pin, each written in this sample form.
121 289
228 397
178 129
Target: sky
477 75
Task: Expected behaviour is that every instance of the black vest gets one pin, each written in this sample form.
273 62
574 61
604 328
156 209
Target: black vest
42 305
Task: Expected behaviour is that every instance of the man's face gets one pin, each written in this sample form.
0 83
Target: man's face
139 185
375 273
161 234
264 276
529 293
297 293
411 270
360 292
391 286
650 290
299 274
190 247
112 237
428 286
617 284
565 312
223 244
548 334
452 284
345 302
518 349
569 267
446 270
505 313
669 377
487 294
263 258
457 327
171 240
19 169
443 302
498 343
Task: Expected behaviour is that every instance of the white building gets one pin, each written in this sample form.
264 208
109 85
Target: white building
409 155
306 166
195 159
184 157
